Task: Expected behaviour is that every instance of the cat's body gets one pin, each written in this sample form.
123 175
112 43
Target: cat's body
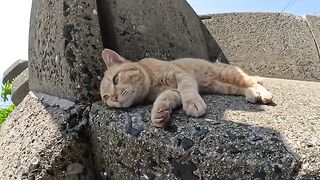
170 84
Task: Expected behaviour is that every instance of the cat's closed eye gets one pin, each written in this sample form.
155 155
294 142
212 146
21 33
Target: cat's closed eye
115 79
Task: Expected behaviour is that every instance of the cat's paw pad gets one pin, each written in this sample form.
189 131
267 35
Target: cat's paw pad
195 106
160 113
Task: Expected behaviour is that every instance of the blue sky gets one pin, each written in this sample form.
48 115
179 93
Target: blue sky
15 21
297 7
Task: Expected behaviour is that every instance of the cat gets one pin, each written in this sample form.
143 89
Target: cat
171 84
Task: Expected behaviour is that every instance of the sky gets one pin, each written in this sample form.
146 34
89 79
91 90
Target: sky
15 14
14 19
297 7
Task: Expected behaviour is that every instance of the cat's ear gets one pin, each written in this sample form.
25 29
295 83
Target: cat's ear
111 58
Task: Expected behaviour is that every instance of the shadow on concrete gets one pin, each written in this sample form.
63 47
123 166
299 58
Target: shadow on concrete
215 52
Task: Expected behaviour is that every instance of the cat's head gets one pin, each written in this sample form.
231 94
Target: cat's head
124 83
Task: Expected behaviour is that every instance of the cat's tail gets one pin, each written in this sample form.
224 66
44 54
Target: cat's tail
234 75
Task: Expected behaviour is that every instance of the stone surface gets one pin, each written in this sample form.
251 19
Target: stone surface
65 49
268 44
39 141
20 87
235 140
166 29
314 25
14 70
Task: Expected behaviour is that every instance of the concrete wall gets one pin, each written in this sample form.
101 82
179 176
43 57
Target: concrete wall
268 44
65 48
166 29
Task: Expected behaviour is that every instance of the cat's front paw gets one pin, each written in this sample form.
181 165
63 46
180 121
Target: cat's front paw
160 113
259 94
195 106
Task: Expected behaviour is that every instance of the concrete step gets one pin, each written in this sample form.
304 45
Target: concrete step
37 141
20 87
234 140
14 70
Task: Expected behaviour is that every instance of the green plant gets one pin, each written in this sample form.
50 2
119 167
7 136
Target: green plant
4 112
6 91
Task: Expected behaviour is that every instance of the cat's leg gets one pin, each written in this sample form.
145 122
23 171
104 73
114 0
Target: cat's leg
254 94
233 75
192 102
165 103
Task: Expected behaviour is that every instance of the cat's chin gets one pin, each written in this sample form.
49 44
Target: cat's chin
124 104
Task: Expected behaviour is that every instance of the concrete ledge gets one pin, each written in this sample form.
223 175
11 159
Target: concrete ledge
268 44
14 70
20 87
235 140
39 141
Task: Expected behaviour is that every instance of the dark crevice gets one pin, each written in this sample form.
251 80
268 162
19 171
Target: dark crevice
106 22
215 52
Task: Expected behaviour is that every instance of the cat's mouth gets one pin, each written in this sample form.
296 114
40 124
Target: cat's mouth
124 103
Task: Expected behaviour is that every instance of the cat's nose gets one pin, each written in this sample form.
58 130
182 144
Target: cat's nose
114 98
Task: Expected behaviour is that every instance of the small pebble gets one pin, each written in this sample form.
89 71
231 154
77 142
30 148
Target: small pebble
75 168
186 143
233 149
171 128
201 133
231 136
257 138
131 130
35 161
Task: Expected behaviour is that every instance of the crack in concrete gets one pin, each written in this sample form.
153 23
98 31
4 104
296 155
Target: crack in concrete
313 36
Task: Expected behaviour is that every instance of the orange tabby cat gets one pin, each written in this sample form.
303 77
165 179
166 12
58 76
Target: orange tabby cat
174 83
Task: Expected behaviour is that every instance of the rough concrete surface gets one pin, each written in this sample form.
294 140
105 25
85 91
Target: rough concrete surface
39 141
314 25
235 140
166 29
65 49
20 87
14 70
269 44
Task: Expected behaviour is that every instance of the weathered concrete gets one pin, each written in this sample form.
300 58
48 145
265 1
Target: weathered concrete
20 87
14 70
268 44
314 25
166 29
65 49
39 141
235 140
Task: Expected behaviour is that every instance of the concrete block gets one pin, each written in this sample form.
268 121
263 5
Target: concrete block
267 44
166 29
234 140
14 70
40 141
65 49
20 87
